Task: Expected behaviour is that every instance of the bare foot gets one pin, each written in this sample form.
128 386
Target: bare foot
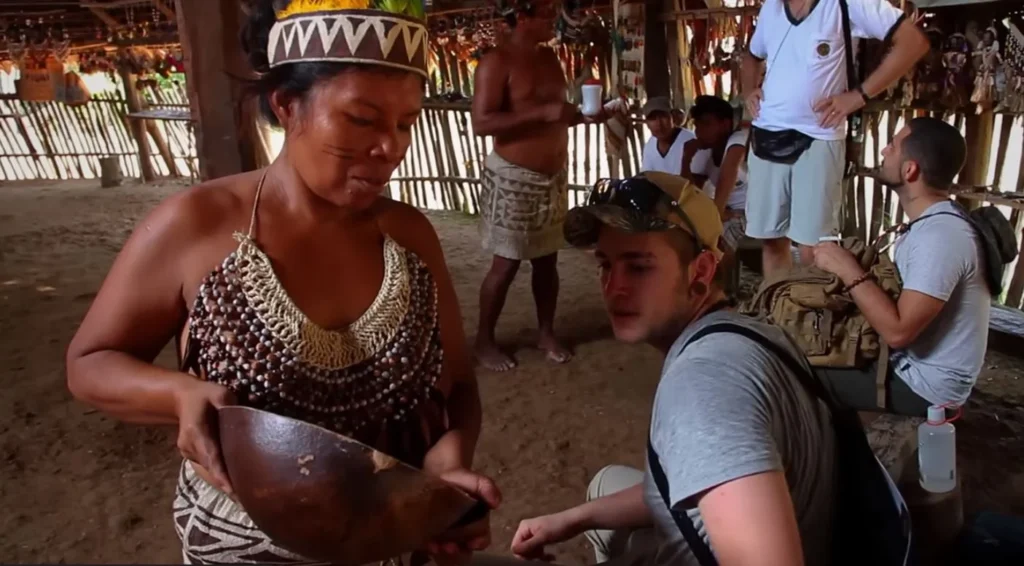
491 357
554 349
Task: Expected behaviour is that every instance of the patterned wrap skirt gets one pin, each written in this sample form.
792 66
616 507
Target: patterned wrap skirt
521 211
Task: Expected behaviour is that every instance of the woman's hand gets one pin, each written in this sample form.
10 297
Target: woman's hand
534 534
456 546
196 404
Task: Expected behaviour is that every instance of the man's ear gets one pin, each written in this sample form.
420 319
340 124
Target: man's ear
911 170
703 268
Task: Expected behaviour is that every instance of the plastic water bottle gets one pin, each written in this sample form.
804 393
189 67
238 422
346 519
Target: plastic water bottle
936 452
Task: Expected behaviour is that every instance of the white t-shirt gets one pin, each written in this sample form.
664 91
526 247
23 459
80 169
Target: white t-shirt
738 196
672 161
940 257
806 61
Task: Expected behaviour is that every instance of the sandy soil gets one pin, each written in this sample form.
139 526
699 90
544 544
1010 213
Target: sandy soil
78 487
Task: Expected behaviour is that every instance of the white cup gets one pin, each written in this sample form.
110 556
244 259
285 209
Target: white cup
591 100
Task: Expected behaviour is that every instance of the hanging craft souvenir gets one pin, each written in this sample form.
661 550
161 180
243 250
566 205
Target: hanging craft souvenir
957 79
988 63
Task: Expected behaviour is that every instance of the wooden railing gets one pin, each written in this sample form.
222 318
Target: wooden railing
49 140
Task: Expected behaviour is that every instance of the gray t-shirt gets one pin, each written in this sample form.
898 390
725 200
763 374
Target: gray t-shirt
939 257
727 408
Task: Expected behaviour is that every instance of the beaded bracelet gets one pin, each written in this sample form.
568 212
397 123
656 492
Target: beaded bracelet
858 281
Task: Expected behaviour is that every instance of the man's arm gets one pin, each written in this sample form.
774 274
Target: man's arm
909 45
750 73
621 510
686 169
751 520
624 509
929 279
728 174
489 116
898 323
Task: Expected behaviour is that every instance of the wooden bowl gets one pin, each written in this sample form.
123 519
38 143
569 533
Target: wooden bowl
330 498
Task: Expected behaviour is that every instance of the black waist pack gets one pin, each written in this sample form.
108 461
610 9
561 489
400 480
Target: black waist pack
784 146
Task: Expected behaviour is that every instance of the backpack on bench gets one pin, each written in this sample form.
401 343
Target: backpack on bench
815 308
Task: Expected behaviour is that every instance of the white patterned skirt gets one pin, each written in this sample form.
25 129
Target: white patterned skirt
521 211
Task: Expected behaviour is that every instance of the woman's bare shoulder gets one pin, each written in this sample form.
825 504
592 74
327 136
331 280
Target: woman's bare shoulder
409 228
200 211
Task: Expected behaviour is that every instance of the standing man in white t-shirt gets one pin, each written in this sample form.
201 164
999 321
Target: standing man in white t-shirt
799 149
664 151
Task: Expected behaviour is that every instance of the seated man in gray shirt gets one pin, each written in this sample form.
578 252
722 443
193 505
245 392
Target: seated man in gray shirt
747 453
938 329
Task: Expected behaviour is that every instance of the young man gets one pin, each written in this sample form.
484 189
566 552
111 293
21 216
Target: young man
725 167
748 454
664 150
938 329
798 152
521 101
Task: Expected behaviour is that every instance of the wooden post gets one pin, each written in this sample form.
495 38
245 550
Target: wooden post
656 80
209 32
979 145
138 129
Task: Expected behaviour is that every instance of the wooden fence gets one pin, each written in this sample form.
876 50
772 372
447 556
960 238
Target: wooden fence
49 140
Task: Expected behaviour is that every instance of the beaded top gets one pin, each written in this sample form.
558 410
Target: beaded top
373 381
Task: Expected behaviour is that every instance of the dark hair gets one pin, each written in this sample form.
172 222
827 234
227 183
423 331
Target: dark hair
937 148
707 105
295 79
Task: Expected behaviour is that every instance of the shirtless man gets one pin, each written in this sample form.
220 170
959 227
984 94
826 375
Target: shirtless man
520 99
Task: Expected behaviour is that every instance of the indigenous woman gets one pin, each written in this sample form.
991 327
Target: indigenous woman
298 289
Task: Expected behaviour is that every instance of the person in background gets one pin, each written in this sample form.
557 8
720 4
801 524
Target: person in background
938 329
747 453
799 129
521 101
297 289
664 150
725 168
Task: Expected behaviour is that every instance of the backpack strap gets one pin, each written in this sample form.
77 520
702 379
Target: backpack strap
696 543
803 372
854 122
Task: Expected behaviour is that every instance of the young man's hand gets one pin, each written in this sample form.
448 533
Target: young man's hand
534 534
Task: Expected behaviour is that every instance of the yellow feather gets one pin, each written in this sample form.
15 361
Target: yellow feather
307 6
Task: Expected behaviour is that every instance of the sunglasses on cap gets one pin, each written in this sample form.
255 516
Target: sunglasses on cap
646 201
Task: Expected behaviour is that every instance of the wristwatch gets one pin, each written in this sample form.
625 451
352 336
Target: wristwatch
860 89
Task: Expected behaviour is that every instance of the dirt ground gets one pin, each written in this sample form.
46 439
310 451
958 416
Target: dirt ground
76 486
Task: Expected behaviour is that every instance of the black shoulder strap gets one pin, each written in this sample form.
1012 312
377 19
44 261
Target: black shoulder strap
697 545
851 70
801 371
686 527
940 213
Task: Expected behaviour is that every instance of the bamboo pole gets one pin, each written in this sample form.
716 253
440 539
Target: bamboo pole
29 114
1005 131
137 128
878 200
